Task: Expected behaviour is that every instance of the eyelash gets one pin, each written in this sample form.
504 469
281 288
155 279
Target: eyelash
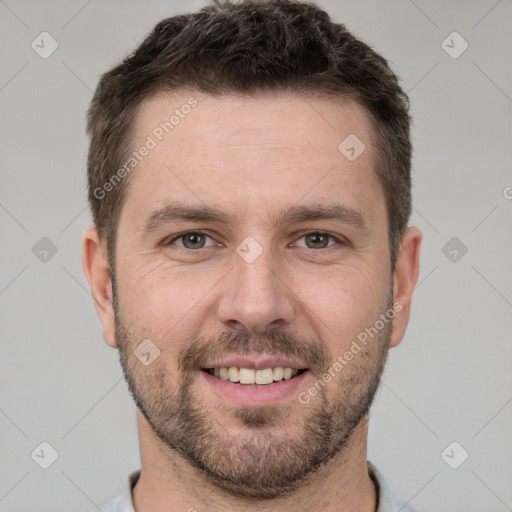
339 241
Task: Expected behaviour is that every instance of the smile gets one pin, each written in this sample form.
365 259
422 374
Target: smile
252 377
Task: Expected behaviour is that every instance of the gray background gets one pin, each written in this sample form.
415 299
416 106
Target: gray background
449 380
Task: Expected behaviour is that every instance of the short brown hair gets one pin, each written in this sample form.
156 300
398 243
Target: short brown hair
249 47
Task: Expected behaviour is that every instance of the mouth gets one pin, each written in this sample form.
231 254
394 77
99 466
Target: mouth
252 377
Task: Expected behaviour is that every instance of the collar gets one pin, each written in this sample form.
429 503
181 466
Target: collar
387 501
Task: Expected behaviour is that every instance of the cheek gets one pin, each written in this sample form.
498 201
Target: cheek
350 301
162 304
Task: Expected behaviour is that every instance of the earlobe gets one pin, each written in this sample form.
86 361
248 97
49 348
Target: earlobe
405 278
96 269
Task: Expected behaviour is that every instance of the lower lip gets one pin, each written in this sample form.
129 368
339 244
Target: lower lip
244 394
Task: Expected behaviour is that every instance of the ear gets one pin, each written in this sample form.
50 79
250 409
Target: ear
95 265
405 278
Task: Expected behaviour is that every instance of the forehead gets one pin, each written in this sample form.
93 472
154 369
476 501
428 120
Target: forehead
208 121
249 152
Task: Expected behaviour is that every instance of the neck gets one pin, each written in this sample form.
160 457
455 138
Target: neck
342 485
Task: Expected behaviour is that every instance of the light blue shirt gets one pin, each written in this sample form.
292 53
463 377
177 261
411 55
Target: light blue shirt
388 502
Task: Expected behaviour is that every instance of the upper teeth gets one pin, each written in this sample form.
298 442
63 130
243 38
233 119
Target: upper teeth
251 376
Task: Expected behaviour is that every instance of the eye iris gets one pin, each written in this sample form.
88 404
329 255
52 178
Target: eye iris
197 240
324 239
193 237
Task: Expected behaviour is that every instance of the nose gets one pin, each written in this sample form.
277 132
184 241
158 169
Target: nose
255 296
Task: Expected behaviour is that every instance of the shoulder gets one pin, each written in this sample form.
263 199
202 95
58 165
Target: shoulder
388 502
110 506
122 502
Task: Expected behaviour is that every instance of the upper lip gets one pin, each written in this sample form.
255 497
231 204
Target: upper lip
256 362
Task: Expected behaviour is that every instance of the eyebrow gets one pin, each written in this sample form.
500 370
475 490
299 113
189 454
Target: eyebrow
175 212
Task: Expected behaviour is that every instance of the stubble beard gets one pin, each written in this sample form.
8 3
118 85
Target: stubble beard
259 459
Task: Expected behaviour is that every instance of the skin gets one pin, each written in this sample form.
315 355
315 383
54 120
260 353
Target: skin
253 157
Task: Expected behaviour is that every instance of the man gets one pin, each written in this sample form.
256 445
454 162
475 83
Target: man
249 178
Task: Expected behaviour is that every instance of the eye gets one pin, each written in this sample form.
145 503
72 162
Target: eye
319 240
190 240
194 240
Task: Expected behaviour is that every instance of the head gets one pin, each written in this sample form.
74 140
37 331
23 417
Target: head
249 179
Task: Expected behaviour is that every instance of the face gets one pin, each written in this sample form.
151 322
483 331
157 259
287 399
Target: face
252 253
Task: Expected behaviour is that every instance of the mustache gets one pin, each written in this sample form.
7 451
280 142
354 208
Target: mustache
276 343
